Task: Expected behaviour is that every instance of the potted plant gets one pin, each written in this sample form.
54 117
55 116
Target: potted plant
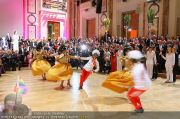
106 23
50 34
150 16
127 20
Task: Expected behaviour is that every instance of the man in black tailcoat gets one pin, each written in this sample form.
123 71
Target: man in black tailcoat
160 61
22 54
75 51
9 40
101 59
176 69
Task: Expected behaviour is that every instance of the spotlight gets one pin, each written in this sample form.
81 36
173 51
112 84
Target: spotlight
83 47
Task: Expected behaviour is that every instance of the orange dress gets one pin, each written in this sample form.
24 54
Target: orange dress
60 71
120 81
39 66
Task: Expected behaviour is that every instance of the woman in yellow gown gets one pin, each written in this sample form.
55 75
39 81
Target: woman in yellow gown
62 70
40 66
120 81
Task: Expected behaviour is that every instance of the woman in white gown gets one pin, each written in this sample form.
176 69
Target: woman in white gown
170 62
119 57
15 41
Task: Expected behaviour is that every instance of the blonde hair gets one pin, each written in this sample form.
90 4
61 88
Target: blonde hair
172 50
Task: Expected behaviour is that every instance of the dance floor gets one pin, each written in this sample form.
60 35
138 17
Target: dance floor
43 97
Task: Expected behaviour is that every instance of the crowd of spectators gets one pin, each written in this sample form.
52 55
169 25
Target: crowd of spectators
109 48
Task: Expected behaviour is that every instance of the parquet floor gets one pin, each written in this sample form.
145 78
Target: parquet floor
42 96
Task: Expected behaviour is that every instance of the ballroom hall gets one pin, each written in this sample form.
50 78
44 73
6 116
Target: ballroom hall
89 59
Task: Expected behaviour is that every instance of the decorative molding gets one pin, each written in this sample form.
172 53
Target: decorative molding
155 4
104 5
31 31
31 6
102 17
31 19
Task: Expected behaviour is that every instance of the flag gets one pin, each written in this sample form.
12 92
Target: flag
16 88
20 87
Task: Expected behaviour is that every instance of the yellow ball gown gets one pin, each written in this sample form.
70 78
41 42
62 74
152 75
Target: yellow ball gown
60 71
120 81
39 66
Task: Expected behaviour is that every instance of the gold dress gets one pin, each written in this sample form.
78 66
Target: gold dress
39 66
120 81
61 71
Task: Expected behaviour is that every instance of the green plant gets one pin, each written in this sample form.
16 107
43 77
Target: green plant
50 27
151 15
127 19
106 23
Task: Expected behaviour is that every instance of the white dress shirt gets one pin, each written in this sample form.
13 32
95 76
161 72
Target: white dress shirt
140 77
89 65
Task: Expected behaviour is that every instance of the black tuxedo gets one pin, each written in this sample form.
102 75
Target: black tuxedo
9 40
33 44
75 51
22 51
160 60
140 46
74 62
101 60
22 55
176 69
117 41
147 42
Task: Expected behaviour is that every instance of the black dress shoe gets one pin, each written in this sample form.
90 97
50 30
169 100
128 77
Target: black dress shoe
167 82
80 87
153 79
139 110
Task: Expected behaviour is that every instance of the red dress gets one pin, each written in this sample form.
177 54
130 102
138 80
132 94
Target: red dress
113 63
